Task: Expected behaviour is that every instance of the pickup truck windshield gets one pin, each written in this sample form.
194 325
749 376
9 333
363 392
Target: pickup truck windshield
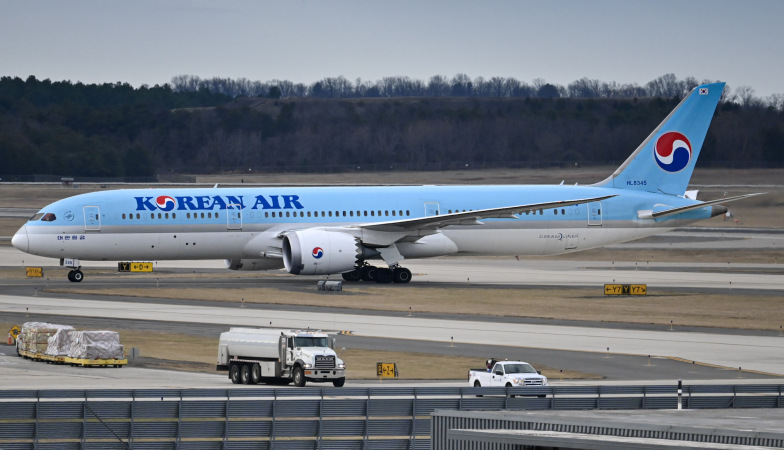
310 341
519 368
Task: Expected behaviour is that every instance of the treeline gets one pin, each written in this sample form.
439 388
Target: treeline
62 128
461 85
115 130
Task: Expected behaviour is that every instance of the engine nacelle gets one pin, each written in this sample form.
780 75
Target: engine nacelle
319 252
254 264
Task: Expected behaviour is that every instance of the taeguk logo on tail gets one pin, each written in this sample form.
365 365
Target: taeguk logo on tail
318 252
165 203
672 151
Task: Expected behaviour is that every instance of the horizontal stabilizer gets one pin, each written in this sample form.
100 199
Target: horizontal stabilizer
648 214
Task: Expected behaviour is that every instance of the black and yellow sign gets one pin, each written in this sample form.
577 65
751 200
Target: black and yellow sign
625 289
134 267
35 271
14 331
141 267
386 370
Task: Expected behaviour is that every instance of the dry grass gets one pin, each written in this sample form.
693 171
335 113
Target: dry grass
743 311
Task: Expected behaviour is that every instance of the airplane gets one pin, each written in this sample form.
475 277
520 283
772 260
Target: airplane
342 229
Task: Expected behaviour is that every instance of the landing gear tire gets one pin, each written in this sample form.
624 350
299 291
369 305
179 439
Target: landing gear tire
245 374
384 276
298 377
401 275
354 275
75 276
368 273
234 373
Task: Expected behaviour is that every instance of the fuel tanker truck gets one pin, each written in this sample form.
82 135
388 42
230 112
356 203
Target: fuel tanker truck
259 355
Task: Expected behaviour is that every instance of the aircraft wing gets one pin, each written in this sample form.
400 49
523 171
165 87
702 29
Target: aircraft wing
648 214
469 217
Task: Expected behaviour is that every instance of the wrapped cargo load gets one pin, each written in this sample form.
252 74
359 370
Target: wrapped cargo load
96 345
60 342
35 336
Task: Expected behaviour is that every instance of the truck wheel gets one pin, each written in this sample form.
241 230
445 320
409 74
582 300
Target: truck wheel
339 382
234 373
255 374
298 377
477 384
508 385
245 374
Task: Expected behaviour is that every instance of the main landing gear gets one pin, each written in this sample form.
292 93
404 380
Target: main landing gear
379 274
75 275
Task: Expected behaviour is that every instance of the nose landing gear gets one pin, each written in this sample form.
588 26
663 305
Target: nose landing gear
75 275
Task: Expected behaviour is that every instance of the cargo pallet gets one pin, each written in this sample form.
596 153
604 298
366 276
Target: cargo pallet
82 362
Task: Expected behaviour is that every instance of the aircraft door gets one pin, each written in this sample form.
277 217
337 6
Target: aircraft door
595 214
431 209
92 218
234 217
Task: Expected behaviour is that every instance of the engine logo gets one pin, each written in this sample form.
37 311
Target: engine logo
318 252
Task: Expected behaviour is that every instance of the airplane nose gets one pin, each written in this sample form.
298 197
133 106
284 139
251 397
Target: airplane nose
20 240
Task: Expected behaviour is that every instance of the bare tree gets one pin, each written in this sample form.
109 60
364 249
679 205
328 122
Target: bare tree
438 86
745 96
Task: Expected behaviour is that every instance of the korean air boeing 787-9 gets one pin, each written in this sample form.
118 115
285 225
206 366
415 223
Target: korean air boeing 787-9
339 230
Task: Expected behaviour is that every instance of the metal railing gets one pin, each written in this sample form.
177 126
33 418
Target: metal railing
313 418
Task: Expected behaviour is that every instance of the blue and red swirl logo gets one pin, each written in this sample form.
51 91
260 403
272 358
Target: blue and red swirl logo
672 151
165 203
318 252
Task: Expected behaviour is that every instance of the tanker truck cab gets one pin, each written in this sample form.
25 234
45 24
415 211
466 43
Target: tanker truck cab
255 355
311 353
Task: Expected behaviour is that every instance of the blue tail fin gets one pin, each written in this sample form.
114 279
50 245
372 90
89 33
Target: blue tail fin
665 160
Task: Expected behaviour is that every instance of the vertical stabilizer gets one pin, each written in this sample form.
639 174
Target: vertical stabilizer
665 160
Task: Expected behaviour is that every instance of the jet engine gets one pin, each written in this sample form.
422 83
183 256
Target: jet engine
319 252
254 264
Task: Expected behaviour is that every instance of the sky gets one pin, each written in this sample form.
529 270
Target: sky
560 41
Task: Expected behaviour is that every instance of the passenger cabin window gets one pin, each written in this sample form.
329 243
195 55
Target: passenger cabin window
48 217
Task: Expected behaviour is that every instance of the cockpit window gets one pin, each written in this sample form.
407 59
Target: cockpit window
36 217
48 217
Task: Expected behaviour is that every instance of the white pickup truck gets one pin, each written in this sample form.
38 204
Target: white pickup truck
506 373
